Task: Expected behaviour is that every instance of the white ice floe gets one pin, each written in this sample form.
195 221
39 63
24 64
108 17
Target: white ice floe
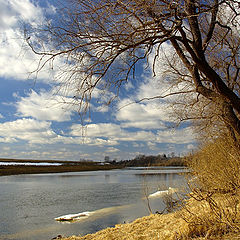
163 193
72 217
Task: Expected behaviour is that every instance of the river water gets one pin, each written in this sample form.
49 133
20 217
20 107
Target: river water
29 203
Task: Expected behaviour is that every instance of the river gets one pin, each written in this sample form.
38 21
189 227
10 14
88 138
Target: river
29 203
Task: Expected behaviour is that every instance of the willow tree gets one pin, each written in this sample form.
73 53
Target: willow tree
102 42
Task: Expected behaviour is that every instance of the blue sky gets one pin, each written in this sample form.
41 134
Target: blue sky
36 124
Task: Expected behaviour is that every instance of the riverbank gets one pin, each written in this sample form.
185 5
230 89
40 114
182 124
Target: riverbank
180 225
150 227
55 167
24 166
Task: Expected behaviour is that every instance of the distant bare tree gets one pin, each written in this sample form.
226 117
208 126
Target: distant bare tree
102 42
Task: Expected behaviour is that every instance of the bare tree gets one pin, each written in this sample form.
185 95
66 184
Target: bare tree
102 43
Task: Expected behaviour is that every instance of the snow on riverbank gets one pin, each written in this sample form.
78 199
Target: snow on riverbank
29 164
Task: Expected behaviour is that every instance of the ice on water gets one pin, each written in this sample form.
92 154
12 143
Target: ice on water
162 193
72 217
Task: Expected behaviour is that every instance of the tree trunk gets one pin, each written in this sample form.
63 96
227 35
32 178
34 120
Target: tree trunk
231 119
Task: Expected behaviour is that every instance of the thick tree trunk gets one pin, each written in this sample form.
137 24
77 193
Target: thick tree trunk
220 86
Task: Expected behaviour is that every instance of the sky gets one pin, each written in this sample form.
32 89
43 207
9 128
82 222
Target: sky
35 123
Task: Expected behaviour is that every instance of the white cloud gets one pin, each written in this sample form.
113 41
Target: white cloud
96 130
17 61
96 141
177 136
152 146
111 150
27 11
28 130
60 154
142 115
137 145
137 136
102 109
13 10
115 133
7 140
111 131
128 86
45 106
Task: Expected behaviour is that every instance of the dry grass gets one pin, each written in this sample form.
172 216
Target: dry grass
151 227
213 218
216 167
194 221
216 187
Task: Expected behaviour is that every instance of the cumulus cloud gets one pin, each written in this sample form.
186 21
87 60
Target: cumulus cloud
177 136
114 132
29 130
14 10
111 150
17 61
142 115
91 141
152 146
96 130
45 106
35 153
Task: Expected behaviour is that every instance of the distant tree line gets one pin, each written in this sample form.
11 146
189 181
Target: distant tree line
151 160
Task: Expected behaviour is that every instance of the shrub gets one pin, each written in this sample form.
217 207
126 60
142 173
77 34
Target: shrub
216 167
214 182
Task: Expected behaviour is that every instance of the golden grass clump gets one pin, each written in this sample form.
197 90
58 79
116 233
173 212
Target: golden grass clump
216 167
215 185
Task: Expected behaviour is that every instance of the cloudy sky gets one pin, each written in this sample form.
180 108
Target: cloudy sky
36 124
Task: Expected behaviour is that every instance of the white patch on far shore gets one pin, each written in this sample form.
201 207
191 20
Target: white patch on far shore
28 164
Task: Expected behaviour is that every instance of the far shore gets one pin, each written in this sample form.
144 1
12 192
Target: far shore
67 166
75 166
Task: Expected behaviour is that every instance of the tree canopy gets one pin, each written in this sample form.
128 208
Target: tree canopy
102 42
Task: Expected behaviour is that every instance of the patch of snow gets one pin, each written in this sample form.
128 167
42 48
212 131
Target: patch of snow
28 164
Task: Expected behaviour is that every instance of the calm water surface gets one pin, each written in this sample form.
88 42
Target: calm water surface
29 203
